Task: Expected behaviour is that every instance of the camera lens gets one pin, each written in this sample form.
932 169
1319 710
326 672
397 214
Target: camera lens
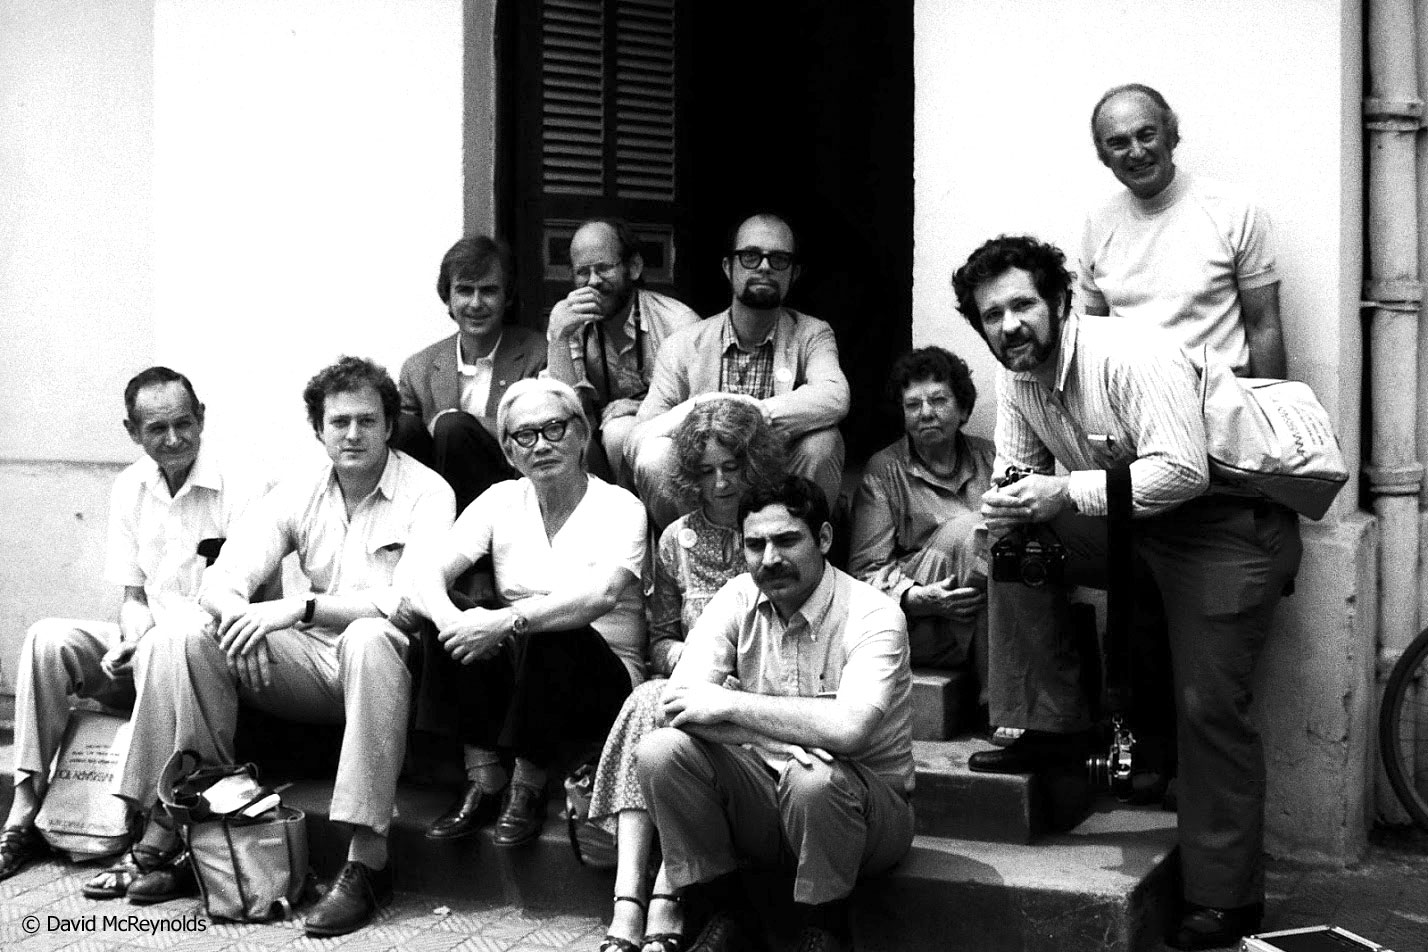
1033 571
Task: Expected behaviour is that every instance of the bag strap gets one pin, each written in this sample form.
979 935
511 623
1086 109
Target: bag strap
1120 591
181 765
234 865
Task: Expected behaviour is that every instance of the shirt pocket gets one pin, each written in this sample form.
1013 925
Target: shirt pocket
384 551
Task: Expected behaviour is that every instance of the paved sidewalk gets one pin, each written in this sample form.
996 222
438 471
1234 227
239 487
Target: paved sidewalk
49 892
1385 899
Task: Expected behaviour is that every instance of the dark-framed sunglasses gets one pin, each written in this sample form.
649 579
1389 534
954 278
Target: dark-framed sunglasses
753 257
554 432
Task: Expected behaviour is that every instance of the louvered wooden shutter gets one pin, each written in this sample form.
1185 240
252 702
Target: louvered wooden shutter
573 98
607 127
644 99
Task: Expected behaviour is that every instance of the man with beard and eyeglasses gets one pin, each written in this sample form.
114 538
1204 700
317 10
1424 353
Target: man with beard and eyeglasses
789 732
1093 396
1176 250
604 336
784 360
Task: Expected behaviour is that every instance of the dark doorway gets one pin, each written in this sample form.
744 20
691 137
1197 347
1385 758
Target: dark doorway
799 106
806 107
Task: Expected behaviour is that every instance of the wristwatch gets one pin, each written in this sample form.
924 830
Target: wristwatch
520 624
309 610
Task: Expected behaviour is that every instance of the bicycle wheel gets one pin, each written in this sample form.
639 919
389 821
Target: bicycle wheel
1403 729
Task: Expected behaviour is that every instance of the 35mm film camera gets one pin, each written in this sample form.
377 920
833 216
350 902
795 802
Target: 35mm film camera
1030 555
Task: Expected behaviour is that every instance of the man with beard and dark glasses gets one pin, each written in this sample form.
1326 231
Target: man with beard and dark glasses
789 731
604 336
785 361
1093 396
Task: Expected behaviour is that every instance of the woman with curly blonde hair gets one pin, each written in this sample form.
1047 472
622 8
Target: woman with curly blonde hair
724 447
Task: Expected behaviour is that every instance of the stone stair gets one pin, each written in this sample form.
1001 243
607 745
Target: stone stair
1000 863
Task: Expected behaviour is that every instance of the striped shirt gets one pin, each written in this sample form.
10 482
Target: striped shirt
1123 394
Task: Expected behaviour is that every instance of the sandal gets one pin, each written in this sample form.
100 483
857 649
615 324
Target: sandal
114 882
664 941
613 943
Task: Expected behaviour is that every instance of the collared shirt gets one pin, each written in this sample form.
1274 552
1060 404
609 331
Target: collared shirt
616 368
747 371
607 529
1122 394
901 504
340 555
848 641
1180 260
475 381
154 536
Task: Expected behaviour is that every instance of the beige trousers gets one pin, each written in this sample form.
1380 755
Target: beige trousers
189 701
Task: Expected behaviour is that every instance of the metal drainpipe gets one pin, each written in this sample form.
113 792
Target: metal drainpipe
1392 292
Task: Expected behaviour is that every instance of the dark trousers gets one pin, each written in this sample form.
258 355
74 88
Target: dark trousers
535 696
1220 565
460 449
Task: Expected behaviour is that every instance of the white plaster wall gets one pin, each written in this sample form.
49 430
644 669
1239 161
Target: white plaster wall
76 229
1267 94
308 179
242 189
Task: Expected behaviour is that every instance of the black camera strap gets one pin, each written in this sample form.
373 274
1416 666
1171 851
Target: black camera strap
1120 589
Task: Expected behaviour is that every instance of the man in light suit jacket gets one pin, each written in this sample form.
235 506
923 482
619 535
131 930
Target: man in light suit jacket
450 390
785 361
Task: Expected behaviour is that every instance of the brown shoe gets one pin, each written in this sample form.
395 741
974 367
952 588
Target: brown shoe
471 811
354 898
19 847
522 817
172 879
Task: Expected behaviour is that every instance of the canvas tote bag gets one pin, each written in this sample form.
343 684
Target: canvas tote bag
1272 437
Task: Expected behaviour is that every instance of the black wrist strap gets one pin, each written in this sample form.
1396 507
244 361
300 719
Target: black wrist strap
310 610
1120 588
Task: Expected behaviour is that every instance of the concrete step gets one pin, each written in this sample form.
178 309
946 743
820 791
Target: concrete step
1108 886
944 704
952 801
1105 886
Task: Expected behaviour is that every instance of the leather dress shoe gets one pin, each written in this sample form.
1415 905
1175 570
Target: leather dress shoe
521 817
814 939
1032 751
723 933
1205 927
19 847
170 879
354 898
471 811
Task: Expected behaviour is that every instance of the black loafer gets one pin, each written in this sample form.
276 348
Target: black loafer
354 898
522 816
472 810
1032 751
814 939
1205 927
19 847
723 933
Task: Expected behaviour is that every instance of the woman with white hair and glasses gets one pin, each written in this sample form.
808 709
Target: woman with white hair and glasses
551 662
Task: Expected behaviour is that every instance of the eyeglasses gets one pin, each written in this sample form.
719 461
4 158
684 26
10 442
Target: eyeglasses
583 273
554 432
753 257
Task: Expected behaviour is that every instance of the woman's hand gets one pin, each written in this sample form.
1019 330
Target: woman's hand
477 634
